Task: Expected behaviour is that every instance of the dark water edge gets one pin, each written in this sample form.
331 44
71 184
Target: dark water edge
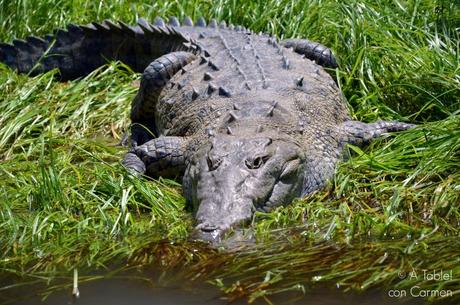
142 288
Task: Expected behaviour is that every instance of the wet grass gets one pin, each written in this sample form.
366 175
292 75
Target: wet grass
393 207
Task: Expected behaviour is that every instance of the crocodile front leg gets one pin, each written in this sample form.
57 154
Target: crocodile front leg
155 77
322 160
315 51
163 156
355 132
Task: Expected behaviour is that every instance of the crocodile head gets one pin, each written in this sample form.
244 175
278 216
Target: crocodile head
231 177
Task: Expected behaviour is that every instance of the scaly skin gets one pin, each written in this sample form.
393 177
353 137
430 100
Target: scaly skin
249 123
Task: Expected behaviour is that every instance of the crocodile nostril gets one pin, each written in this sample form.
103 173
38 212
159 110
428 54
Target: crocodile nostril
208 228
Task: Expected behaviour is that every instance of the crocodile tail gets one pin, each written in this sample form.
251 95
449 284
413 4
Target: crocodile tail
79 50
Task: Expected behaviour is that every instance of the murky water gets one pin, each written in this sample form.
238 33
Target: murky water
132 290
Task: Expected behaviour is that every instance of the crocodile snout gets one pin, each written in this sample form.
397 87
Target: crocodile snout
208 233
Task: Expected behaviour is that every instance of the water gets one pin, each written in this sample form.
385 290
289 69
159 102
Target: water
135 289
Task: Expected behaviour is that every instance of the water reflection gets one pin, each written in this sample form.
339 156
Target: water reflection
151 287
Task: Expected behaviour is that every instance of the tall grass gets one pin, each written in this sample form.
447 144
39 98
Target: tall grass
65 201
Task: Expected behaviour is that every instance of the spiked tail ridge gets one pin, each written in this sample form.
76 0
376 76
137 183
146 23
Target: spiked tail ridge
78 50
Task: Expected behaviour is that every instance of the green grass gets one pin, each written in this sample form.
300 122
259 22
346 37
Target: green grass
393 207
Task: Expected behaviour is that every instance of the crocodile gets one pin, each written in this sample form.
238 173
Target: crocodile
247 121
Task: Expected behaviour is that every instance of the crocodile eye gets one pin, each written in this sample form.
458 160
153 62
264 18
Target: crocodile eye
213 164
256 162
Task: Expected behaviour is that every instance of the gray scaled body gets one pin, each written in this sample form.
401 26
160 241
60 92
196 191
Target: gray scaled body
248 122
